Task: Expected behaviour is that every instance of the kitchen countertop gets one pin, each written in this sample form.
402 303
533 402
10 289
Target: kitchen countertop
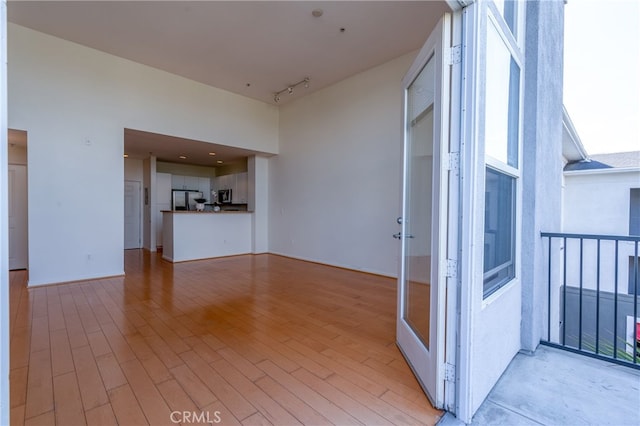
205 212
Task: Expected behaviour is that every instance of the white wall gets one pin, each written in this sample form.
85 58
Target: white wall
598 203
4 225
75 103
133 169
258 202
335 187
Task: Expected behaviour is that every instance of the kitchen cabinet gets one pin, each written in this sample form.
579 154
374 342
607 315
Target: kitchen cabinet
238 184
225 182
204 186
184 182
191 182
163 188
241 188
177 182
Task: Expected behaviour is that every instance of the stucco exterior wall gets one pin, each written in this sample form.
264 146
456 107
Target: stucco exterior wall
542 159
598 202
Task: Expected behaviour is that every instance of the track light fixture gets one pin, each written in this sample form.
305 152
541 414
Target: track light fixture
289 89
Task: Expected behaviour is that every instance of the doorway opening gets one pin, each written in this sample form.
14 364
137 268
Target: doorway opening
132 214
18 214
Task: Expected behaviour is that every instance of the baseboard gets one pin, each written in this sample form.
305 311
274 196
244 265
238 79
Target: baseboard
335 265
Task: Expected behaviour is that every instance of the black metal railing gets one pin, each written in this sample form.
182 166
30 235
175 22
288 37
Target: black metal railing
593 283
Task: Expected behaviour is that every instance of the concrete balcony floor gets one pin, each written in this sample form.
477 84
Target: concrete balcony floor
556 387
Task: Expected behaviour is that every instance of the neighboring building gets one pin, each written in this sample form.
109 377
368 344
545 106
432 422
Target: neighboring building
325 173
602 197
595 268
602 194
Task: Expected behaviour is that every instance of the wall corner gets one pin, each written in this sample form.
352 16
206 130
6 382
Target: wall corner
542 156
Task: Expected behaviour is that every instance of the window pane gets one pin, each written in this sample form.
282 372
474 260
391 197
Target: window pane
508 10
499 230
634 274
502 100
509 13
634 211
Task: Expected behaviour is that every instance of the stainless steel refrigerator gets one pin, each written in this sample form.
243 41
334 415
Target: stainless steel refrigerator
184 200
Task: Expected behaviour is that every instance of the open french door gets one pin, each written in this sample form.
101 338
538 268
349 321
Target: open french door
422 281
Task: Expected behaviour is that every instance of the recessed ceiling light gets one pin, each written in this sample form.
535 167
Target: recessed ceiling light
182 157
212 153
219 161
126 156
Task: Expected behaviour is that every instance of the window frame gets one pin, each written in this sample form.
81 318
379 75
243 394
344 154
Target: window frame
511 262
514 46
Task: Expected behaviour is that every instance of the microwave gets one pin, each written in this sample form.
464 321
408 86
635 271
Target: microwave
224 196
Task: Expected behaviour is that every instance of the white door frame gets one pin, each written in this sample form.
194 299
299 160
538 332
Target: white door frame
435 368
5 407
454 232
468 255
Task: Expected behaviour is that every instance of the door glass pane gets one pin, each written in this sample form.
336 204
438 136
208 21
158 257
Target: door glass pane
418 209
502 100
421 92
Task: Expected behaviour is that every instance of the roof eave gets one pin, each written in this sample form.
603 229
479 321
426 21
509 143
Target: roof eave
573 139
602 171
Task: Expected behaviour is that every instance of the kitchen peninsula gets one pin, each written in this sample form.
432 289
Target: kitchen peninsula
192 235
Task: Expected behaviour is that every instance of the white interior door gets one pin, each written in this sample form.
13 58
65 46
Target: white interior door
18 234
421 303
132 215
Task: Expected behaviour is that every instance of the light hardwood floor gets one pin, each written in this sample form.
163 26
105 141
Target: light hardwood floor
241 340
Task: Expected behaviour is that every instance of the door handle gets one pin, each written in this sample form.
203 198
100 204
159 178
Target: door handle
399 236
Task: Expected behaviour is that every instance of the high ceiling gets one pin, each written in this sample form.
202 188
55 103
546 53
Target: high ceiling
252 48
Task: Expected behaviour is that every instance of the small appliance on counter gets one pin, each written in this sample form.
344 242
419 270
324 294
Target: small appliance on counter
200 204
224 196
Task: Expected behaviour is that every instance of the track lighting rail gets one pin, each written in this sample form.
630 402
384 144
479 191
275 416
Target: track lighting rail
289 89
